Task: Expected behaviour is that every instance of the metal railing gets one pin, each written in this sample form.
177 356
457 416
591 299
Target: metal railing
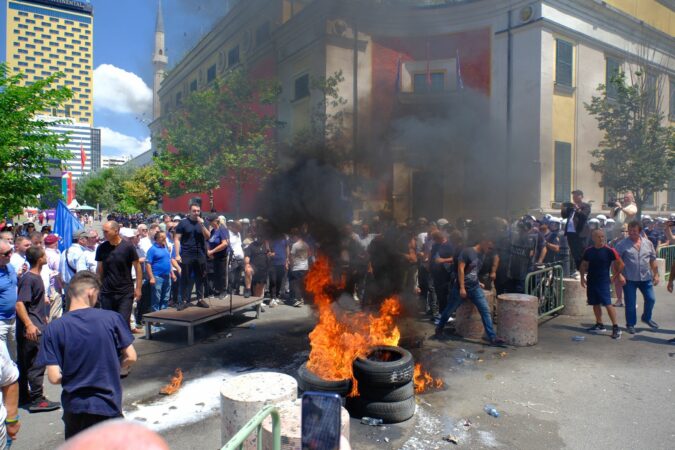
668 253
547 285
255 425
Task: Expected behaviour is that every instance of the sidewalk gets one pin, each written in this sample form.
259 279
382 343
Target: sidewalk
598 393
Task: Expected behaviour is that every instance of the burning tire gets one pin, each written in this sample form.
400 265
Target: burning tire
384 366
387 394
309 381
389 412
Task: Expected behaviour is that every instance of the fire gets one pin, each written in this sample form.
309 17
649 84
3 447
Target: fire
424 380
337 340
174 385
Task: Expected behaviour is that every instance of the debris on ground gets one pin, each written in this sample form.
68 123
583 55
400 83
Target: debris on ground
371 421
503 354
174 385
467 423
491 410
578 338
386 439
451 438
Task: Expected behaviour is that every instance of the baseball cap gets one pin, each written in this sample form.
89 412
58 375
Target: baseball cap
442 222
51 239
127 232
77 234
176 218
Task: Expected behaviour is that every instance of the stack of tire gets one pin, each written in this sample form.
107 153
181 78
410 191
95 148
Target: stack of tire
309 381
385 384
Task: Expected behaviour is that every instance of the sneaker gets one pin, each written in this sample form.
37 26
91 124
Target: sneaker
630 330
618 305
247 293
124 372
202 304
43 405
262 307
272 303
181 306
616 332
653 325
672 341
497 342
597 328
298 303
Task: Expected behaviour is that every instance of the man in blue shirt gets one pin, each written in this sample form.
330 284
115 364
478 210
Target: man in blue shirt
160 276
8 284
84 351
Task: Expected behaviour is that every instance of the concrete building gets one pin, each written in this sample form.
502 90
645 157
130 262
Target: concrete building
456 108
113 161
48 36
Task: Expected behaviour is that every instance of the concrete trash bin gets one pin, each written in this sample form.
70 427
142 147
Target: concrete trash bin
243 396
574 298
468 323
518 319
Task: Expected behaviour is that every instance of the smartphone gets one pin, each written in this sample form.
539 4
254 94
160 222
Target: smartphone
321 421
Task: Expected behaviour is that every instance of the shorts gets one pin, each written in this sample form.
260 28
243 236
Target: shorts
598 295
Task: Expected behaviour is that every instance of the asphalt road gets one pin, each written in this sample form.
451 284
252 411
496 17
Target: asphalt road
595 394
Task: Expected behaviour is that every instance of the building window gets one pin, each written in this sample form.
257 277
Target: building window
432 82
650 201
672 99
651 91
211 74
193 85
563 63
301 87
233 57
262 34
563 171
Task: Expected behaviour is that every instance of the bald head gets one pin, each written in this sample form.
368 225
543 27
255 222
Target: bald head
116 435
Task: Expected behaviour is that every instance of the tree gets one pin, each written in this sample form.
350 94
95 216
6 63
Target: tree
103 188
142 191
29 150
222 132
637 152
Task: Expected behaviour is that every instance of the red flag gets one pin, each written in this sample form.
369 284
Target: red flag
83 155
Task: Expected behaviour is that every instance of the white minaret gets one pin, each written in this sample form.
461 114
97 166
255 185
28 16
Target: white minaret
159 61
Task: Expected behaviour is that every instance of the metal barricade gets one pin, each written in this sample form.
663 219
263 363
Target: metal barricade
547 285
668 253
255 424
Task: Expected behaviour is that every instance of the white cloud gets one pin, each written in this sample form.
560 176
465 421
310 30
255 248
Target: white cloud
120 91
115 143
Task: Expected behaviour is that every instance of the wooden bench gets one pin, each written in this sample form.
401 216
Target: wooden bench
194 315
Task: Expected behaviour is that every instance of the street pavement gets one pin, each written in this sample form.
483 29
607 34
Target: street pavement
594 394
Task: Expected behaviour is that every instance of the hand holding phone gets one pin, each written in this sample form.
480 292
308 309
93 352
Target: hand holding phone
321 423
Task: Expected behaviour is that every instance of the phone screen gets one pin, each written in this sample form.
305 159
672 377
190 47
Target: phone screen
320 421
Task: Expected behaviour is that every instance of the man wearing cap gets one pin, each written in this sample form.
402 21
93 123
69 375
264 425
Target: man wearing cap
73 260
190 248
576 230
625 210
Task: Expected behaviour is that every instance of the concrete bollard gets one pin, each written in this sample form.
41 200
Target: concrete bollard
242 397
518 319
468 323
291 426
574 298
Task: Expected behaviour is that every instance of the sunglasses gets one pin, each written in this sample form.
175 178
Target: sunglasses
8 252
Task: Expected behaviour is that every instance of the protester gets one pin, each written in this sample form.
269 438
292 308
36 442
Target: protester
299 265
73 260
256 267
441 269
576 230
8 287
158 266
640 272
18 260
279 255
115 258
618 285
624 212
597 262
236 268
54 286
86 351
189 242
218 243
30 310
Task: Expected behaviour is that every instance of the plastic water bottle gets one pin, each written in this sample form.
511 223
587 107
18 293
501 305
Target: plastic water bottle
491 410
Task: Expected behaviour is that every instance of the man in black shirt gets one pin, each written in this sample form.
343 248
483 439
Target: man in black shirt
190 248
30 310
115 259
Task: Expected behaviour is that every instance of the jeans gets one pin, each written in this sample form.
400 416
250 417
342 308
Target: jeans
160 292
476 296
277 274
297 280
630 300
75 423
193 272
8 336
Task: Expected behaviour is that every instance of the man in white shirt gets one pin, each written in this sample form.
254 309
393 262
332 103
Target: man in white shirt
73 260
9 398
53 287
18 260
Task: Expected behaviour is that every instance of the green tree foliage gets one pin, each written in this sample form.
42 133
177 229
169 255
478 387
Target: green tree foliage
222 132
28 149
637 152
122 189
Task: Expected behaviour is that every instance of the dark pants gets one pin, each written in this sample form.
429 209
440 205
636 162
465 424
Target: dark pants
515 286
442 286
143 305
234 274
193 272
122 303
297 281
277 274
74 423
31 376
217 276
576 244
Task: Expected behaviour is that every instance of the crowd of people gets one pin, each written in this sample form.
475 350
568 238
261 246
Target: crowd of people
71 314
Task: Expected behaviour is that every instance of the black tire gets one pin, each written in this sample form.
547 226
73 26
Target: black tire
389 412
395 372
308 381
387 394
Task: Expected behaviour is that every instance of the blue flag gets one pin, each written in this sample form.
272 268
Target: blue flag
64 225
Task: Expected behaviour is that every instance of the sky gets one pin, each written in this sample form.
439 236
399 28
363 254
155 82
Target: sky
123 73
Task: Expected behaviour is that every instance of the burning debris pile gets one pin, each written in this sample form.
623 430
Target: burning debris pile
174 385
340 337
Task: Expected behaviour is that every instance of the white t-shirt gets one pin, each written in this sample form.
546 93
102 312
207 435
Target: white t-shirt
235 244
300 256
9 374
145 244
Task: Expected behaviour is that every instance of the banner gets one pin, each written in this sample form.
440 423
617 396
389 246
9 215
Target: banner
64 225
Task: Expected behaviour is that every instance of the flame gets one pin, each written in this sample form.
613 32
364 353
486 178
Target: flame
337 340
174 385
423 380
